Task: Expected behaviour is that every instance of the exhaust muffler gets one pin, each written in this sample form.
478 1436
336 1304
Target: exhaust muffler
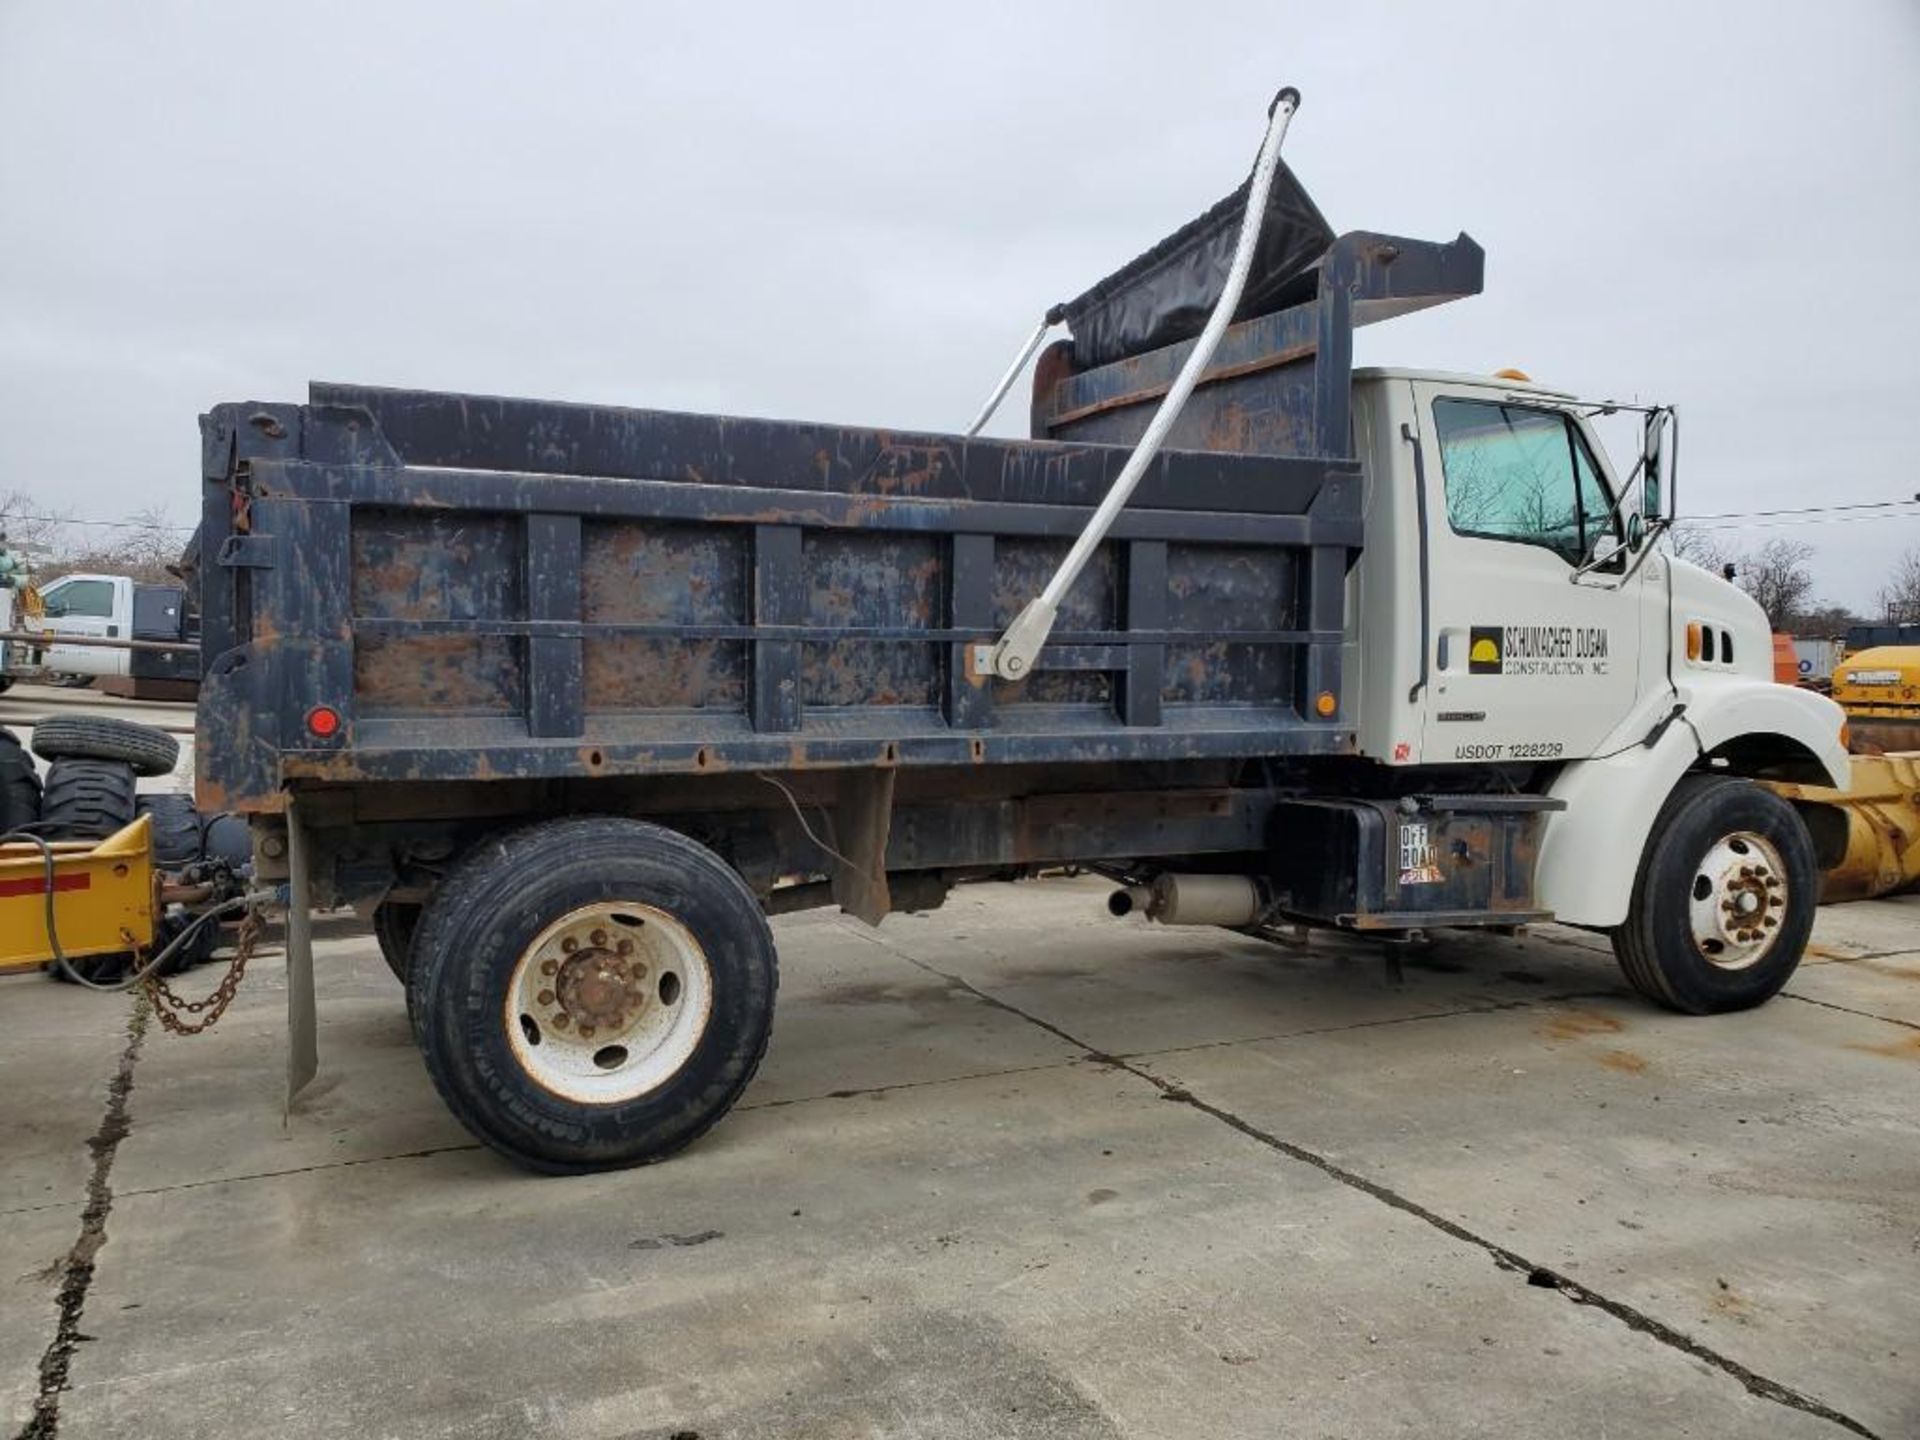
1228 900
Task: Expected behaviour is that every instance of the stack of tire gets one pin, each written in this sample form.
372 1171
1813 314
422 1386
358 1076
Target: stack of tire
19 785
94 765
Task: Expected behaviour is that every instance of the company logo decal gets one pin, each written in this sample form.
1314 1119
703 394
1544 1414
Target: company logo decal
1537 650
1483 650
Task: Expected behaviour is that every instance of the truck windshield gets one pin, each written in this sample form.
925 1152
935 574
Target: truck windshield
1520 474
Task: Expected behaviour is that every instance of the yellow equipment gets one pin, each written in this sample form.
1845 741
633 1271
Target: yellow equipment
1869 835
104 900
1880 691
1882 836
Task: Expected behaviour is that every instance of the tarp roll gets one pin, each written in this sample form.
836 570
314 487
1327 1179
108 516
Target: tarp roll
1166 295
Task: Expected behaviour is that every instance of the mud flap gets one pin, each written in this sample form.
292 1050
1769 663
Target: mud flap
865 815
303 1045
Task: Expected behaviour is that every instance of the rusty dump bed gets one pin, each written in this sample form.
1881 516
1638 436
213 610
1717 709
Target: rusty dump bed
485 588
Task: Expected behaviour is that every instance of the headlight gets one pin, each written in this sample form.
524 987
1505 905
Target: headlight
1873 677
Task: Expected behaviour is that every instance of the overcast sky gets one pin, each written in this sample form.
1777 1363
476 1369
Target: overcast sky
854 212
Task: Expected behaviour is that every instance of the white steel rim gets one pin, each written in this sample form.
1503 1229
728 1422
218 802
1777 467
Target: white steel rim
1738 904
608 1002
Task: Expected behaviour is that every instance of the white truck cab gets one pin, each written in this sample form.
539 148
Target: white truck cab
1514 606
112 608
98 607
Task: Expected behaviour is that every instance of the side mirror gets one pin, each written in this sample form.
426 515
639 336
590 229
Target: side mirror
1653 463
1636 531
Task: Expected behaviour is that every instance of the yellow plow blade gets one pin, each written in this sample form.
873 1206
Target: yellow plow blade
103 897
1882 816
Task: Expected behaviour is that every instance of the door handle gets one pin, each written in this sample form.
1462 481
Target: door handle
1440 653
113 632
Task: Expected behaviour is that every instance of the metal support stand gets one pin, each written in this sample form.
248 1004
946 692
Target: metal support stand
303 1050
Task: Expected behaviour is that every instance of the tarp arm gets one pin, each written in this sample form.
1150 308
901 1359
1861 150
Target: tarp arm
1013 656
1047 322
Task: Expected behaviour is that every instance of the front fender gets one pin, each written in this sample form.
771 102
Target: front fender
1590 852
1727 713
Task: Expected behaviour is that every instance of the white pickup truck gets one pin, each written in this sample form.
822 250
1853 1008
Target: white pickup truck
105 607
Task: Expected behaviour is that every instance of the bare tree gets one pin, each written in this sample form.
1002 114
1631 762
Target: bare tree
1900 596
1776 576
34 530
1825 620
53 543
1696 545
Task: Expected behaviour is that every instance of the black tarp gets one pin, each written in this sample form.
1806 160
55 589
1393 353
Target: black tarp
1165 295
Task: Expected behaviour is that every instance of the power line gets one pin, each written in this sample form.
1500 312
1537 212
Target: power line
108 524
1735 524
1808 510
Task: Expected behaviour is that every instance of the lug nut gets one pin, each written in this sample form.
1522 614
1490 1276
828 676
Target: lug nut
599 937
569 944
562 1020
586 1032
545 997
625 947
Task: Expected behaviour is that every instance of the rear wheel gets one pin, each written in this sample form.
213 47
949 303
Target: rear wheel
394 924
1724 900
592 993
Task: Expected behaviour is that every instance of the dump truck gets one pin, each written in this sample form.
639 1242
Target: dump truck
571 698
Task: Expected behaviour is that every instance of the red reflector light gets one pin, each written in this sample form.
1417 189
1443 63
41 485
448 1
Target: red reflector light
323 721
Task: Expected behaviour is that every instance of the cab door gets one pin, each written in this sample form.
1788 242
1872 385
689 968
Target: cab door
1530 662
85 605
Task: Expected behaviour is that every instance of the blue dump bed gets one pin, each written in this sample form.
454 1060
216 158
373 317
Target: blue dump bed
407 585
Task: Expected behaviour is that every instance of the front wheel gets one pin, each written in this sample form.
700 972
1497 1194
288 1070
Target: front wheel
1723 903
591 993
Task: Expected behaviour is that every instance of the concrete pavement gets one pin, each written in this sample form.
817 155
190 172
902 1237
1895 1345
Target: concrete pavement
1011 1169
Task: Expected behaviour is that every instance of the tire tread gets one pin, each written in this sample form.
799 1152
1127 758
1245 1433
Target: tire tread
86 799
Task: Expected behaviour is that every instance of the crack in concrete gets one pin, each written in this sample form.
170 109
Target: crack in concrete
856 1093
76 1271
261 1175
301 1169
1849 1010
1540 1276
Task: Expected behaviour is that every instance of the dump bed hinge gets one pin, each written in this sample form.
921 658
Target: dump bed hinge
247 552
